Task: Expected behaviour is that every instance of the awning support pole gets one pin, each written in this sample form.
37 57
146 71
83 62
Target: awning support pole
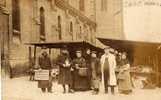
34 54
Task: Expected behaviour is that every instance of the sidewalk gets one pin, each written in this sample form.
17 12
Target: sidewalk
23 89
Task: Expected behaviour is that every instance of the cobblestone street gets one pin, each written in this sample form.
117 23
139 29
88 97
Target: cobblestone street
22 89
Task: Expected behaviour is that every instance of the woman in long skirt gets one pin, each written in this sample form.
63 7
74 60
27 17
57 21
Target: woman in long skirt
80 73
65 78
124 78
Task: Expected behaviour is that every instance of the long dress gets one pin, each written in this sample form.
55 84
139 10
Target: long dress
80 82
64 72
124 77
45 64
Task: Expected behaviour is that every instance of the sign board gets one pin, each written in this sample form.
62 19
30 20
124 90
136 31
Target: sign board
42 75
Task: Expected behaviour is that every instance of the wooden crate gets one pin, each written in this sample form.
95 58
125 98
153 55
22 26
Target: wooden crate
41 75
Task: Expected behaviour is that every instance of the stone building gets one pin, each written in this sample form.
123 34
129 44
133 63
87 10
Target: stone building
109 18
136 20
27 21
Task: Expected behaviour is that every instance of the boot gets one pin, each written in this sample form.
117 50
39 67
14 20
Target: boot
50 89
43 90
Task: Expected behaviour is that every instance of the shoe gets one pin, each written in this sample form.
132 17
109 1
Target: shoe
112 93
94 93
50 91
43 90
71 91
64 92
106 91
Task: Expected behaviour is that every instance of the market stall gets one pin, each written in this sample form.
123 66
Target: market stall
145 57
72 46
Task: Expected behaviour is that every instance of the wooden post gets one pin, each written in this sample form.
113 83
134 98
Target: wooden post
30 59
34 54
49 51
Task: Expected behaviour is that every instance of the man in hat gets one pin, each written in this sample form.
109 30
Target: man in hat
95 70
65 78
44 63
80 72
108 65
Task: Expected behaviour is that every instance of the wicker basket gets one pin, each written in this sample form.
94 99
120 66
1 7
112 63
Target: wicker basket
83 72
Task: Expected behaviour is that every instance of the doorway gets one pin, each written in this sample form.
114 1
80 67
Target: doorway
4 31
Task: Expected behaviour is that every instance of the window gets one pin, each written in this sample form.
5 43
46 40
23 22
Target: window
71 29
81 5
80 32
3 3
59 28
16 17
103 5
42 24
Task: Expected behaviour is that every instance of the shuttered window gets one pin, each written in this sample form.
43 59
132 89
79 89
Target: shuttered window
42 24
16 16
59 28
104 5
81 5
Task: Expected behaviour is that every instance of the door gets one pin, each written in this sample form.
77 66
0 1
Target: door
4 31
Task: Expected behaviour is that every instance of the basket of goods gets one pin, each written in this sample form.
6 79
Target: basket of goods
82 72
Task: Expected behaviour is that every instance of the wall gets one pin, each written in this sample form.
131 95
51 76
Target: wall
109 21
142 20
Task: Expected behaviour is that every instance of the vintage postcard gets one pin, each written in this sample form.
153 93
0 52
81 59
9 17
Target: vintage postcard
80 49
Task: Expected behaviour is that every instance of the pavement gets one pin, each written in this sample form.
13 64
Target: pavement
23 89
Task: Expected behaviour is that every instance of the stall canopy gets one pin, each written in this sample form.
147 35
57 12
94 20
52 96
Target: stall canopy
127 45
69 44
143 53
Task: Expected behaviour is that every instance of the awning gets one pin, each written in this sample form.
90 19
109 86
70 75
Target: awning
69 44
127 45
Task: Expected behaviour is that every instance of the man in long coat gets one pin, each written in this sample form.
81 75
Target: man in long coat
108 65
65 78
44 62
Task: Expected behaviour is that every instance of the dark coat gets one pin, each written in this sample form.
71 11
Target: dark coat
95 67
87 58
45 64
64 72
80 83
96 72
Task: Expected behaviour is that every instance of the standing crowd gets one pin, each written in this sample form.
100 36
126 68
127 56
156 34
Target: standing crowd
89 71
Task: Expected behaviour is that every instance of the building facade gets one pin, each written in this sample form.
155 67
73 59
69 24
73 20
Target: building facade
136 20
44 21
109 18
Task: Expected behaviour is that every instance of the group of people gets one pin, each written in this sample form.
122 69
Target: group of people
88 71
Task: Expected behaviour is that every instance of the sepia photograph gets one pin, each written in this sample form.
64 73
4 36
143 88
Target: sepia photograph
80 49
